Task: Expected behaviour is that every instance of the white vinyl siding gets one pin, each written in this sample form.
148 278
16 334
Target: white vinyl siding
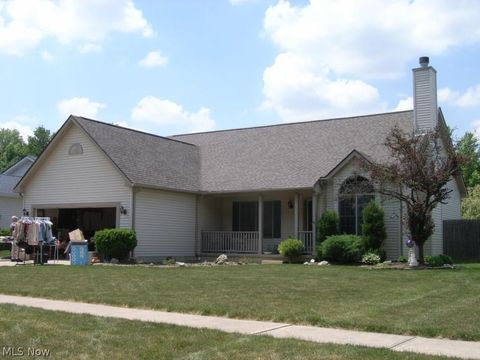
9 206
165 224
425 99
90 179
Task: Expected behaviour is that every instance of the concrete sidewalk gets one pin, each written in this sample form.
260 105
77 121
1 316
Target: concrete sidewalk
453 348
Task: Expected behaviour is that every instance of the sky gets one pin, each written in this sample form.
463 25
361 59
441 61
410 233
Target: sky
171 67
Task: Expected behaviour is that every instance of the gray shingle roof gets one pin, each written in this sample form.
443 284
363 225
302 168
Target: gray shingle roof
7 183
292 155
147 159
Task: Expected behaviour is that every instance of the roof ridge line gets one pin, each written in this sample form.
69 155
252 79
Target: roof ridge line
291 123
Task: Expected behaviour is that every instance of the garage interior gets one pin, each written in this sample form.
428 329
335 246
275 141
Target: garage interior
88 220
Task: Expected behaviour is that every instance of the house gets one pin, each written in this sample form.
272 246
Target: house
11 202
236 191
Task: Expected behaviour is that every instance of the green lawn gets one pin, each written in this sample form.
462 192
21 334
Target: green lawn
84 337
442 303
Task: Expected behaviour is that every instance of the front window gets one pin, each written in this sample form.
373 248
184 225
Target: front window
354 195
245 216
272 219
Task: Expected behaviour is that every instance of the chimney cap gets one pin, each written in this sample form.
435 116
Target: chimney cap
424 60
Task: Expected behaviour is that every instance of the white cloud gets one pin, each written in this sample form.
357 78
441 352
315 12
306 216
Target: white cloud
46 56
89 48
447 96
345 44
470 98
81 106
25 23
161 113
404 104
154 59
18 123
297 91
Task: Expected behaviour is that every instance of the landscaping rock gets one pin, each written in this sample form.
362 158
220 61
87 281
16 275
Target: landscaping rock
306 263
221 260
114 261
312 261
180 264
323 263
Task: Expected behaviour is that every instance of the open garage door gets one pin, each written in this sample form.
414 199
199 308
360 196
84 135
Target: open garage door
88 220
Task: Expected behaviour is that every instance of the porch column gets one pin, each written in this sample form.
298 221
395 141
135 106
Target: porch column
260 224
314 220
295 214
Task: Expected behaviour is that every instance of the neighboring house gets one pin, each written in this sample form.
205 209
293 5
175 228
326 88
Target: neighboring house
238 191
11 202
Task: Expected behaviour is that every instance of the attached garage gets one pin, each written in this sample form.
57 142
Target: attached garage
95 175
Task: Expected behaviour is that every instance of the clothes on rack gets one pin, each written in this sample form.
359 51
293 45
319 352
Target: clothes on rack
33 231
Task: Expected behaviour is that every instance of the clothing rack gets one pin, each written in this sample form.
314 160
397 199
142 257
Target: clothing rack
38 248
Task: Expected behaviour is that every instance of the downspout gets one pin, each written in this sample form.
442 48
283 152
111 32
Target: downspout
132 216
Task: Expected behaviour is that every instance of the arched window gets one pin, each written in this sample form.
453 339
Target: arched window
354 194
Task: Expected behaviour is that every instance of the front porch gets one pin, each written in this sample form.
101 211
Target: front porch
245 242
255 224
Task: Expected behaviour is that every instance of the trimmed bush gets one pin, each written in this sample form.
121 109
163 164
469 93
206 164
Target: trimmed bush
370 259
438 260
373 227
5 232
343 248
402 259
327 225
292 249
115 243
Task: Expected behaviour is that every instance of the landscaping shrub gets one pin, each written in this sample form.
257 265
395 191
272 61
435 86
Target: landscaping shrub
438 260
5 232
343 248
327 225
115 243
370 259
402 259
373 227
291 249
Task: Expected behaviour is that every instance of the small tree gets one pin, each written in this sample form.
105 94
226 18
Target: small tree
417 175
471 204
327 225
373 227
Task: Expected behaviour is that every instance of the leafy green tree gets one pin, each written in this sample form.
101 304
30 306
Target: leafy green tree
39 141
468 146
471 204
373 227
12 148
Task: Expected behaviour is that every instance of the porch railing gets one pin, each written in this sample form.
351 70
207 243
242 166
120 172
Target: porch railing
230 242
307 238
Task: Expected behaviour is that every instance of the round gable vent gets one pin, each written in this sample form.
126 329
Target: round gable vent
75 149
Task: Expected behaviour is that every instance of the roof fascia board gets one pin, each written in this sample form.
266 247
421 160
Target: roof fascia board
354 154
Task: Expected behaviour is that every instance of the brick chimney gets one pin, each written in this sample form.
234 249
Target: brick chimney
425 97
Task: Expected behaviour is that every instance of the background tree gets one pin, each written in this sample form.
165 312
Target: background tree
468 146
12 148
417 175
39 141
471 204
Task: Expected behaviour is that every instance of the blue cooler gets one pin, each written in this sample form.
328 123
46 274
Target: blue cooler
78 253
